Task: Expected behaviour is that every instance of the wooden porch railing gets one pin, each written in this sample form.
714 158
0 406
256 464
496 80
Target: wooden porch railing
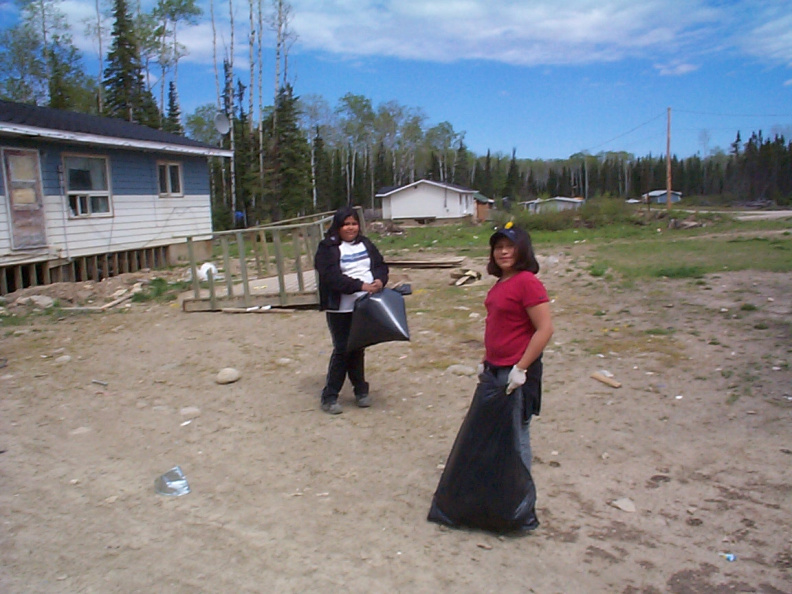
265 266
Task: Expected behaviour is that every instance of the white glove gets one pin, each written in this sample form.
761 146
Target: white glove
516 379
480 369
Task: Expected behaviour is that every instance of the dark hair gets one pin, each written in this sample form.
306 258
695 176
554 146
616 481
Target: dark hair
341 215
525 257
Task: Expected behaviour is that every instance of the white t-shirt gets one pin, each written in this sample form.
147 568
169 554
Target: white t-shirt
356 263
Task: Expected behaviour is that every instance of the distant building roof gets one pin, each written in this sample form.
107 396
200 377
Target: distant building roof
23 120
391 190
655 193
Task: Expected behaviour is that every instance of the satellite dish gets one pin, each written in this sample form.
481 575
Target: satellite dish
221 123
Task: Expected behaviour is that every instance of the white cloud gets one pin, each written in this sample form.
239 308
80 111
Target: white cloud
510 31
673 33
768 34
675 69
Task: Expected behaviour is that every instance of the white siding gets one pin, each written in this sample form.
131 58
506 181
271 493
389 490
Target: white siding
425 200
137 222
5 224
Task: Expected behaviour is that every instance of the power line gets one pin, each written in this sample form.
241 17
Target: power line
736 115
624 134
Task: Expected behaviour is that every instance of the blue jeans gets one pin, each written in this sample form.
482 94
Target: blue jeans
342 363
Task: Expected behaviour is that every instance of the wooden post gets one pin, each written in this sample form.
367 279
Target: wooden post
227 266
32 276
18 282
276 243
298 259
265 250
3 282
256 239
212 297
240 238
193 268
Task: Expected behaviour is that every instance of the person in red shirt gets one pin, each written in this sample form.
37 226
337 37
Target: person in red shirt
519 324
486 482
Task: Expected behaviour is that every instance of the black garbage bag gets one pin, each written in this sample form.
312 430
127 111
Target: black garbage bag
378 317
485 483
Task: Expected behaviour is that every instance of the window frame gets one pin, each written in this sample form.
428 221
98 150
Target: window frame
169 193
84 199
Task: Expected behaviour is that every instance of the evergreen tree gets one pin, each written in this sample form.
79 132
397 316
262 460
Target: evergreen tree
172 122
126 95
323 173
287 164
512 185
461 175
484 180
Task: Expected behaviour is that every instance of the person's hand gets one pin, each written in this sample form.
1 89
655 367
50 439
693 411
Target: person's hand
516 379
373 287
480 369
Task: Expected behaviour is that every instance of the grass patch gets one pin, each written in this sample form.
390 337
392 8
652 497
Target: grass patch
681 271
694 257
597 270
659 331
748 307
161 291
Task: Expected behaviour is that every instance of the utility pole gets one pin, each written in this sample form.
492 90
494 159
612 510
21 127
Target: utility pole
668 162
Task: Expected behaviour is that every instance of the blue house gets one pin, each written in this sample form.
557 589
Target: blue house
661 197
84 197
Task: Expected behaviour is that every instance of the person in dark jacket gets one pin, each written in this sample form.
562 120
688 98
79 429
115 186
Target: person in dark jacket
349 266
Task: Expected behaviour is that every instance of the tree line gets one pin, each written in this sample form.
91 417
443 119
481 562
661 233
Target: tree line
295 155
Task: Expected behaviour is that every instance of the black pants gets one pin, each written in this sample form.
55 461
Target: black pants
341 362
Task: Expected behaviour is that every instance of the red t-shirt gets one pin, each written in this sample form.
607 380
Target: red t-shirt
509 329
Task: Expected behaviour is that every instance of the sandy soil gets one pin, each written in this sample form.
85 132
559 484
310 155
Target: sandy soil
285 498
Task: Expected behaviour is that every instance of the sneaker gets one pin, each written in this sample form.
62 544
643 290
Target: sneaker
363 401
332 408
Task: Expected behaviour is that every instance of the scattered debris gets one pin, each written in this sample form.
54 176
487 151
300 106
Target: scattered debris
625 504
601 377
484 546
100 382
440 263
464 277
172 483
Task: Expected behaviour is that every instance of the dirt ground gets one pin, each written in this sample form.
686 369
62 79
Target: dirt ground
641 489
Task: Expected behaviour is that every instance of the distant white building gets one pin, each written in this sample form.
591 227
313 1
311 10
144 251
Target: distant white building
554 204
661 196
427 200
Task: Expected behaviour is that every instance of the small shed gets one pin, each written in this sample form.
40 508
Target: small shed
427 200
661 196
84 197
484 206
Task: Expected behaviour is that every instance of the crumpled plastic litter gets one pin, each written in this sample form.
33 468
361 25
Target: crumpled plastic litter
172 483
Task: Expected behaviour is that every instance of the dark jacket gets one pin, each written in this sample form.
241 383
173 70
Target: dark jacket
332 283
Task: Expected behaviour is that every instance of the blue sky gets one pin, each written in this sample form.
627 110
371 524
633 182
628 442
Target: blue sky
548 78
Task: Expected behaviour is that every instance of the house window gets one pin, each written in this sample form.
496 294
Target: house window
86 186
170 180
